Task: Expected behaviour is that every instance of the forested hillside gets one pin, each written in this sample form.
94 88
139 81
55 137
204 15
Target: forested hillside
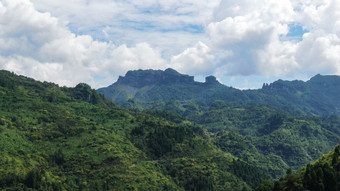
58 138
321 175
270 138
283 125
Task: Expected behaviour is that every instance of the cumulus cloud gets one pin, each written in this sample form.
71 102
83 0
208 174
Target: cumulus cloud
95 41
195 60
254 34
319 51
158 23
252 31
38 45
319 54
142 56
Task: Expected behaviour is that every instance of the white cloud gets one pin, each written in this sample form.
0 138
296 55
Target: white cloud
253 32
319 53
38 45
268 10
222 37
165 14
168 43
195 60
320 15
142 56
132 22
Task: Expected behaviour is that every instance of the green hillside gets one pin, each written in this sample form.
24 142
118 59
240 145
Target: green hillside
270 138
58 138
321 175
283 125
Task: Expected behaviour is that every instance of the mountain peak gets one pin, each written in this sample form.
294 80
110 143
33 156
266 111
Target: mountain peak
171 71
324 79
141 78
211 80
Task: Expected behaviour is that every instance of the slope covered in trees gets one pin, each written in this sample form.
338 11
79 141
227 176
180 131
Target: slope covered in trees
283 125
321 175
58 138
270 138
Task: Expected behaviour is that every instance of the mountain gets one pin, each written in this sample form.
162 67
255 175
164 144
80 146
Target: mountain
320 175
156 89
318 96
59 138
156 85
285 124
152 86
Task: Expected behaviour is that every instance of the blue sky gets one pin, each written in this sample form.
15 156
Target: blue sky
241 42
296 30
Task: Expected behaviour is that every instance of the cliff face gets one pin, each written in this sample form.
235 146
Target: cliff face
211 80
144 86
141 78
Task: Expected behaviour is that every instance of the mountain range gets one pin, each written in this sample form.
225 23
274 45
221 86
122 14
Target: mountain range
283 125
146 88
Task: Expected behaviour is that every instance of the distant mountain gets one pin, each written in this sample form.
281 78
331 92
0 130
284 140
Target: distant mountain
319 95
156 89
157 85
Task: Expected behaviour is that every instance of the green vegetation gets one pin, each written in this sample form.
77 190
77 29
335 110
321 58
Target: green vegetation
58 138
269 138
283 125
321 175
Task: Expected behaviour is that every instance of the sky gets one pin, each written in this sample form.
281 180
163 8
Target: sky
244 43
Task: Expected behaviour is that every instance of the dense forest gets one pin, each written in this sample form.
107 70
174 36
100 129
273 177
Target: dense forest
60 138
321 175
283 125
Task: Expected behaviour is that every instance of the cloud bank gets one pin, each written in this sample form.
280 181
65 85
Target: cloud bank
38 45
95 41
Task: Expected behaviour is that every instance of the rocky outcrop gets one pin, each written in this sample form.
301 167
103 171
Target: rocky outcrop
211 80
141 78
